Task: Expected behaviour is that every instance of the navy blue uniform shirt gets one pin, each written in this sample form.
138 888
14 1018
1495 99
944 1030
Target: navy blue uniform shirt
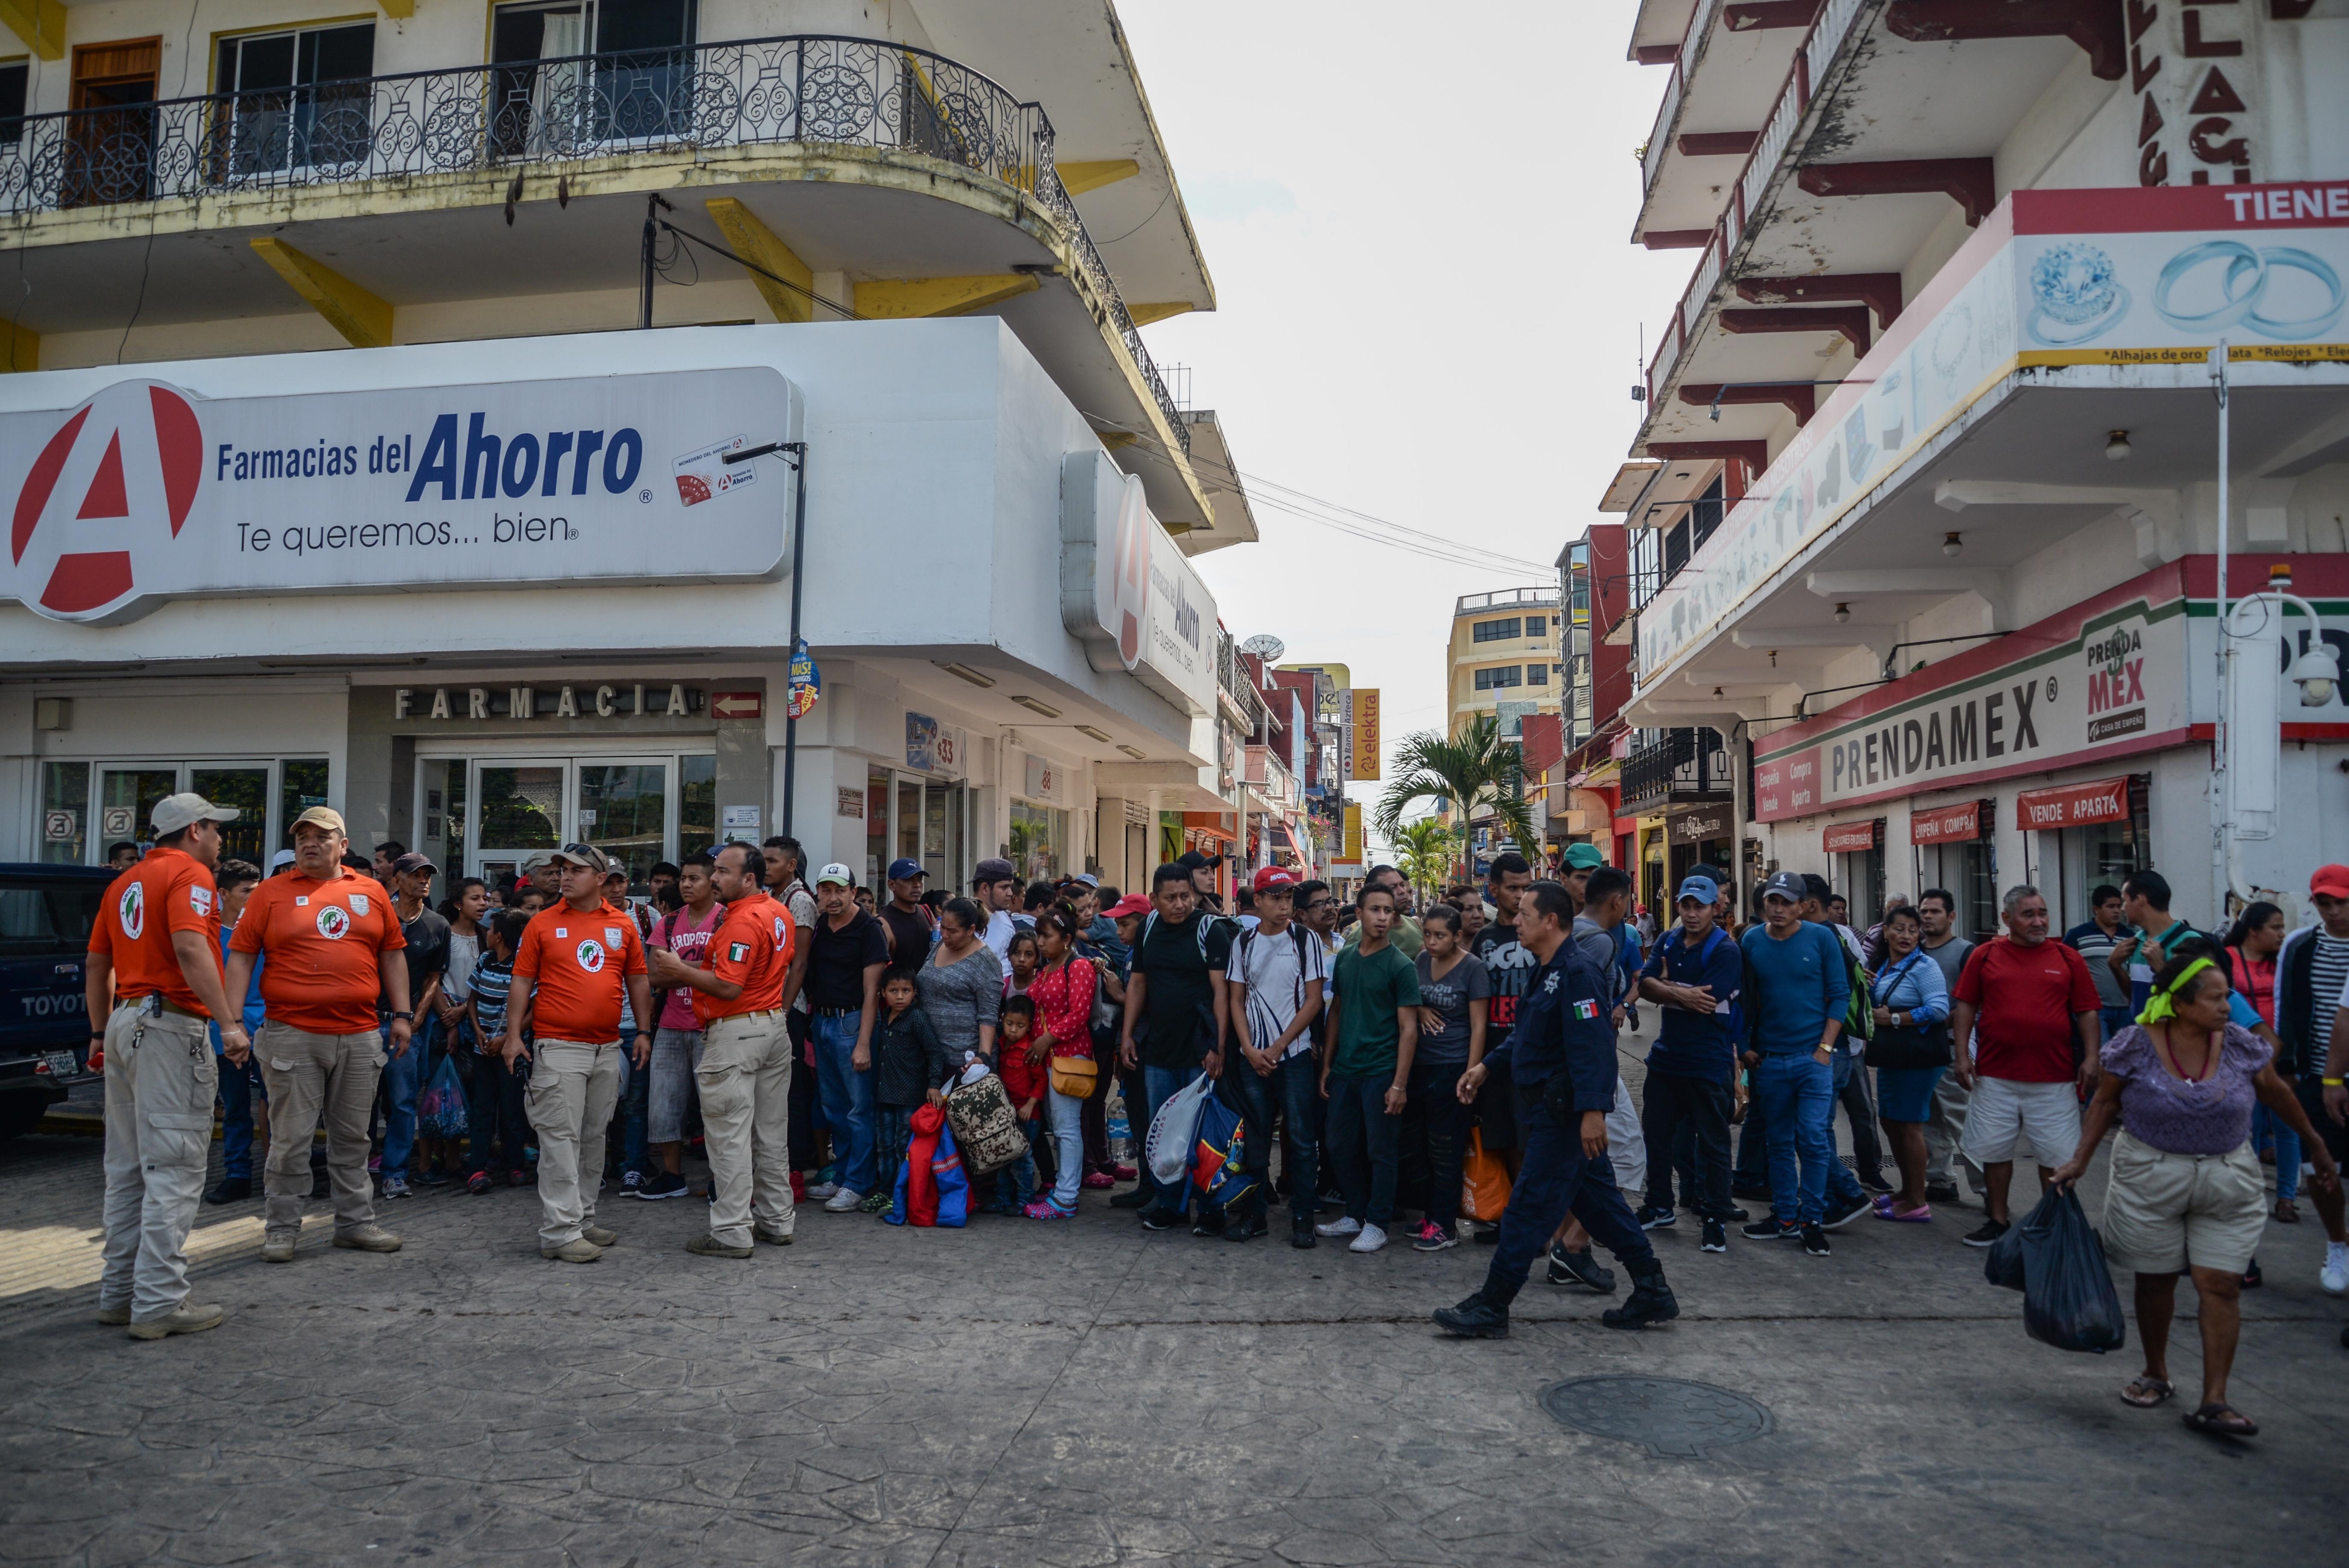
1564 1025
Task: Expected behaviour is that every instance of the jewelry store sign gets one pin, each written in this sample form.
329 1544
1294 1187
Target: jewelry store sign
2052 278
148 491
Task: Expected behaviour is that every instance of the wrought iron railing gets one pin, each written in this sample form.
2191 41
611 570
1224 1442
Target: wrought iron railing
817 89
1686 763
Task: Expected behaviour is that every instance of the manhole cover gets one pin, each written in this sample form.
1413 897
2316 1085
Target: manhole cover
1670 1417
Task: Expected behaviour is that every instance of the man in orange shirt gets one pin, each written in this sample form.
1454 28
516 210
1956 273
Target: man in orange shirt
325 931
578 958
745 1077
153 974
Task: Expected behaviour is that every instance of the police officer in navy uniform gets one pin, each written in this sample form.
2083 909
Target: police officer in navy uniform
1562 1056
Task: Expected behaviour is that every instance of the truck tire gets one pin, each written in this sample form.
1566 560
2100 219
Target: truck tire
21 1111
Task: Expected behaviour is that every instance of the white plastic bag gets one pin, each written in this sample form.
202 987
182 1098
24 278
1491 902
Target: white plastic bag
1173 1130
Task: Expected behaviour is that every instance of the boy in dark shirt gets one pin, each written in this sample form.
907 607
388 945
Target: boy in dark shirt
909 1063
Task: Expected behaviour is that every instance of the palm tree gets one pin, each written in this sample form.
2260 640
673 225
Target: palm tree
1425 851
1476 771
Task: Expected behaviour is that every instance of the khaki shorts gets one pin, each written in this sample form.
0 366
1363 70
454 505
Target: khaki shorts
2164 1211
2008 1119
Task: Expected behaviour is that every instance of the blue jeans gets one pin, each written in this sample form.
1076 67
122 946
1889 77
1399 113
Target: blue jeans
1554 1180
1160 1085
2265 1125
1842 1185
1015 1184
1362 1146
239 1087
845 1096
1069 1142
635 1106
1794 1092
403 1075
2116 1019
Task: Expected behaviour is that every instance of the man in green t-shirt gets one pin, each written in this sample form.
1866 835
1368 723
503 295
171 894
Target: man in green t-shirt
1364 1075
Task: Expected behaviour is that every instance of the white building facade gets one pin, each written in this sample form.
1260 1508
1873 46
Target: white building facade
601 657
1947 355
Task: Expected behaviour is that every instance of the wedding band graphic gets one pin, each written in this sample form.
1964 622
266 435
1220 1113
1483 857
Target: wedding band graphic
2079 296
2243 281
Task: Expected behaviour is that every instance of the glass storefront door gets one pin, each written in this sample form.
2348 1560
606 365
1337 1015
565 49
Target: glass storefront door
622 810
520 809
246 787
125 802
482 816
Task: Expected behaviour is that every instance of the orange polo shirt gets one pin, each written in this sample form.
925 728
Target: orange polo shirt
752 948
171 890
324 942
579 964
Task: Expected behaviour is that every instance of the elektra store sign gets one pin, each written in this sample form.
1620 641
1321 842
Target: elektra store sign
148 491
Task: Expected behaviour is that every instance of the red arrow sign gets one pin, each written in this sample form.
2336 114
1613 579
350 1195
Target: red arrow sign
737 704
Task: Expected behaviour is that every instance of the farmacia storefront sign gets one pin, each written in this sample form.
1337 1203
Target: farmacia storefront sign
148 491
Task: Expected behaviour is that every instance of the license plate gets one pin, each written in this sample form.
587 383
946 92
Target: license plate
62 1064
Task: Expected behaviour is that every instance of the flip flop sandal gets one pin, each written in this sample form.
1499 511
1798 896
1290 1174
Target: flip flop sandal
2222 1421
2145 1393
1920 1215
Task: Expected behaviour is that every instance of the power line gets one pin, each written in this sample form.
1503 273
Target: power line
1395 536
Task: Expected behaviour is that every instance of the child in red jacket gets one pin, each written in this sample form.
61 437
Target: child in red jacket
1020 1058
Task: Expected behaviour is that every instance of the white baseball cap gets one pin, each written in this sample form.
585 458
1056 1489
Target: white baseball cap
836 872
174 812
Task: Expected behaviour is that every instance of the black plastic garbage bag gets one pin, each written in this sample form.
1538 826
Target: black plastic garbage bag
2003 1266
2069 1300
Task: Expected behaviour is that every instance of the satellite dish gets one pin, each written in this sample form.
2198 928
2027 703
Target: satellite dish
1265 646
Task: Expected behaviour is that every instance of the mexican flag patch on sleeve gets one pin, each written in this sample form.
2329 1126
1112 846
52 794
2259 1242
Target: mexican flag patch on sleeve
737 952
1586 1010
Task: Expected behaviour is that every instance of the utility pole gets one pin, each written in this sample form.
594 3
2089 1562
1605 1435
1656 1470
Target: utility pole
795 454
2222 782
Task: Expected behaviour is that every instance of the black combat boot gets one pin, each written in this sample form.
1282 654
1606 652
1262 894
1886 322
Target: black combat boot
1485 1316
1652 1300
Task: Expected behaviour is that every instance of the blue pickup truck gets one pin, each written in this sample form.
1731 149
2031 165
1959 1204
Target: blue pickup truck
46 913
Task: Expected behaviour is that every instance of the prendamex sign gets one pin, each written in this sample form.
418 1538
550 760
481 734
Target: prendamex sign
148 491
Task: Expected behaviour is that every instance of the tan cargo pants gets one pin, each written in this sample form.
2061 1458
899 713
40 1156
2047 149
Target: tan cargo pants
159 1081
745 1079
313 1076
572 1087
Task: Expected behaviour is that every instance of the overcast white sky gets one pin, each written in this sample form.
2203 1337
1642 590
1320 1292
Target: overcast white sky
1417 222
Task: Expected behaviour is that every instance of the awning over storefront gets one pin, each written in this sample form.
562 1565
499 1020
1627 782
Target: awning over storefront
1855 837
2072 805
1952 824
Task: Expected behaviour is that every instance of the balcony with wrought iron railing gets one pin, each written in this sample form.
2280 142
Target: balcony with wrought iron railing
564 115
1679 764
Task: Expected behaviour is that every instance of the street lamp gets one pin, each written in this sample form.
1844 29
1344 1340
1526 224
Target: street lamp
2252 703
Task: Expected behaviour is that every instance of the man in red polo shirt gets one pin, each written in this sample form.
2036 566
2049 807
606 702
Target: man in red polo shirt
153 974
578 958
2023 1000
745 1077
325 931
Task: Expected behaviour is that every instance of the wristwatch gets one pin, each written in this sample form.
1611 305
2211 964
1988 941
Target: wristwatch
409 1017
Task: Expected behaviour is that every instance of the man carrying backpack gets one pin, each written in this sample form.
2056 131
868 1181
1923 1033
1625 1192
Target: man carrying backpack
1694 976
1177 1007
1277 973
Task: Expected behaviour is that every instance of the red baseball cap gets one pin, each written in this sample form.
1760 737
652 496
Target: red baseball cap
2332 881
1270 876
1131 904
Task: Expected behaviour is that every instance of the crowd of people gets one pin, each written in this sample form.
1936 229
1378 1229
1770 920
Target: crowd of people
1397 1055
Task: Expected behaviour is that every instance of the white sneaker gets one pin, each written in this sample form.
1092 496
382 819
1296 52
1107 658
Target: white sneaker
842 1202
2334 1277
1343 1225
1369 1240
821 1193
